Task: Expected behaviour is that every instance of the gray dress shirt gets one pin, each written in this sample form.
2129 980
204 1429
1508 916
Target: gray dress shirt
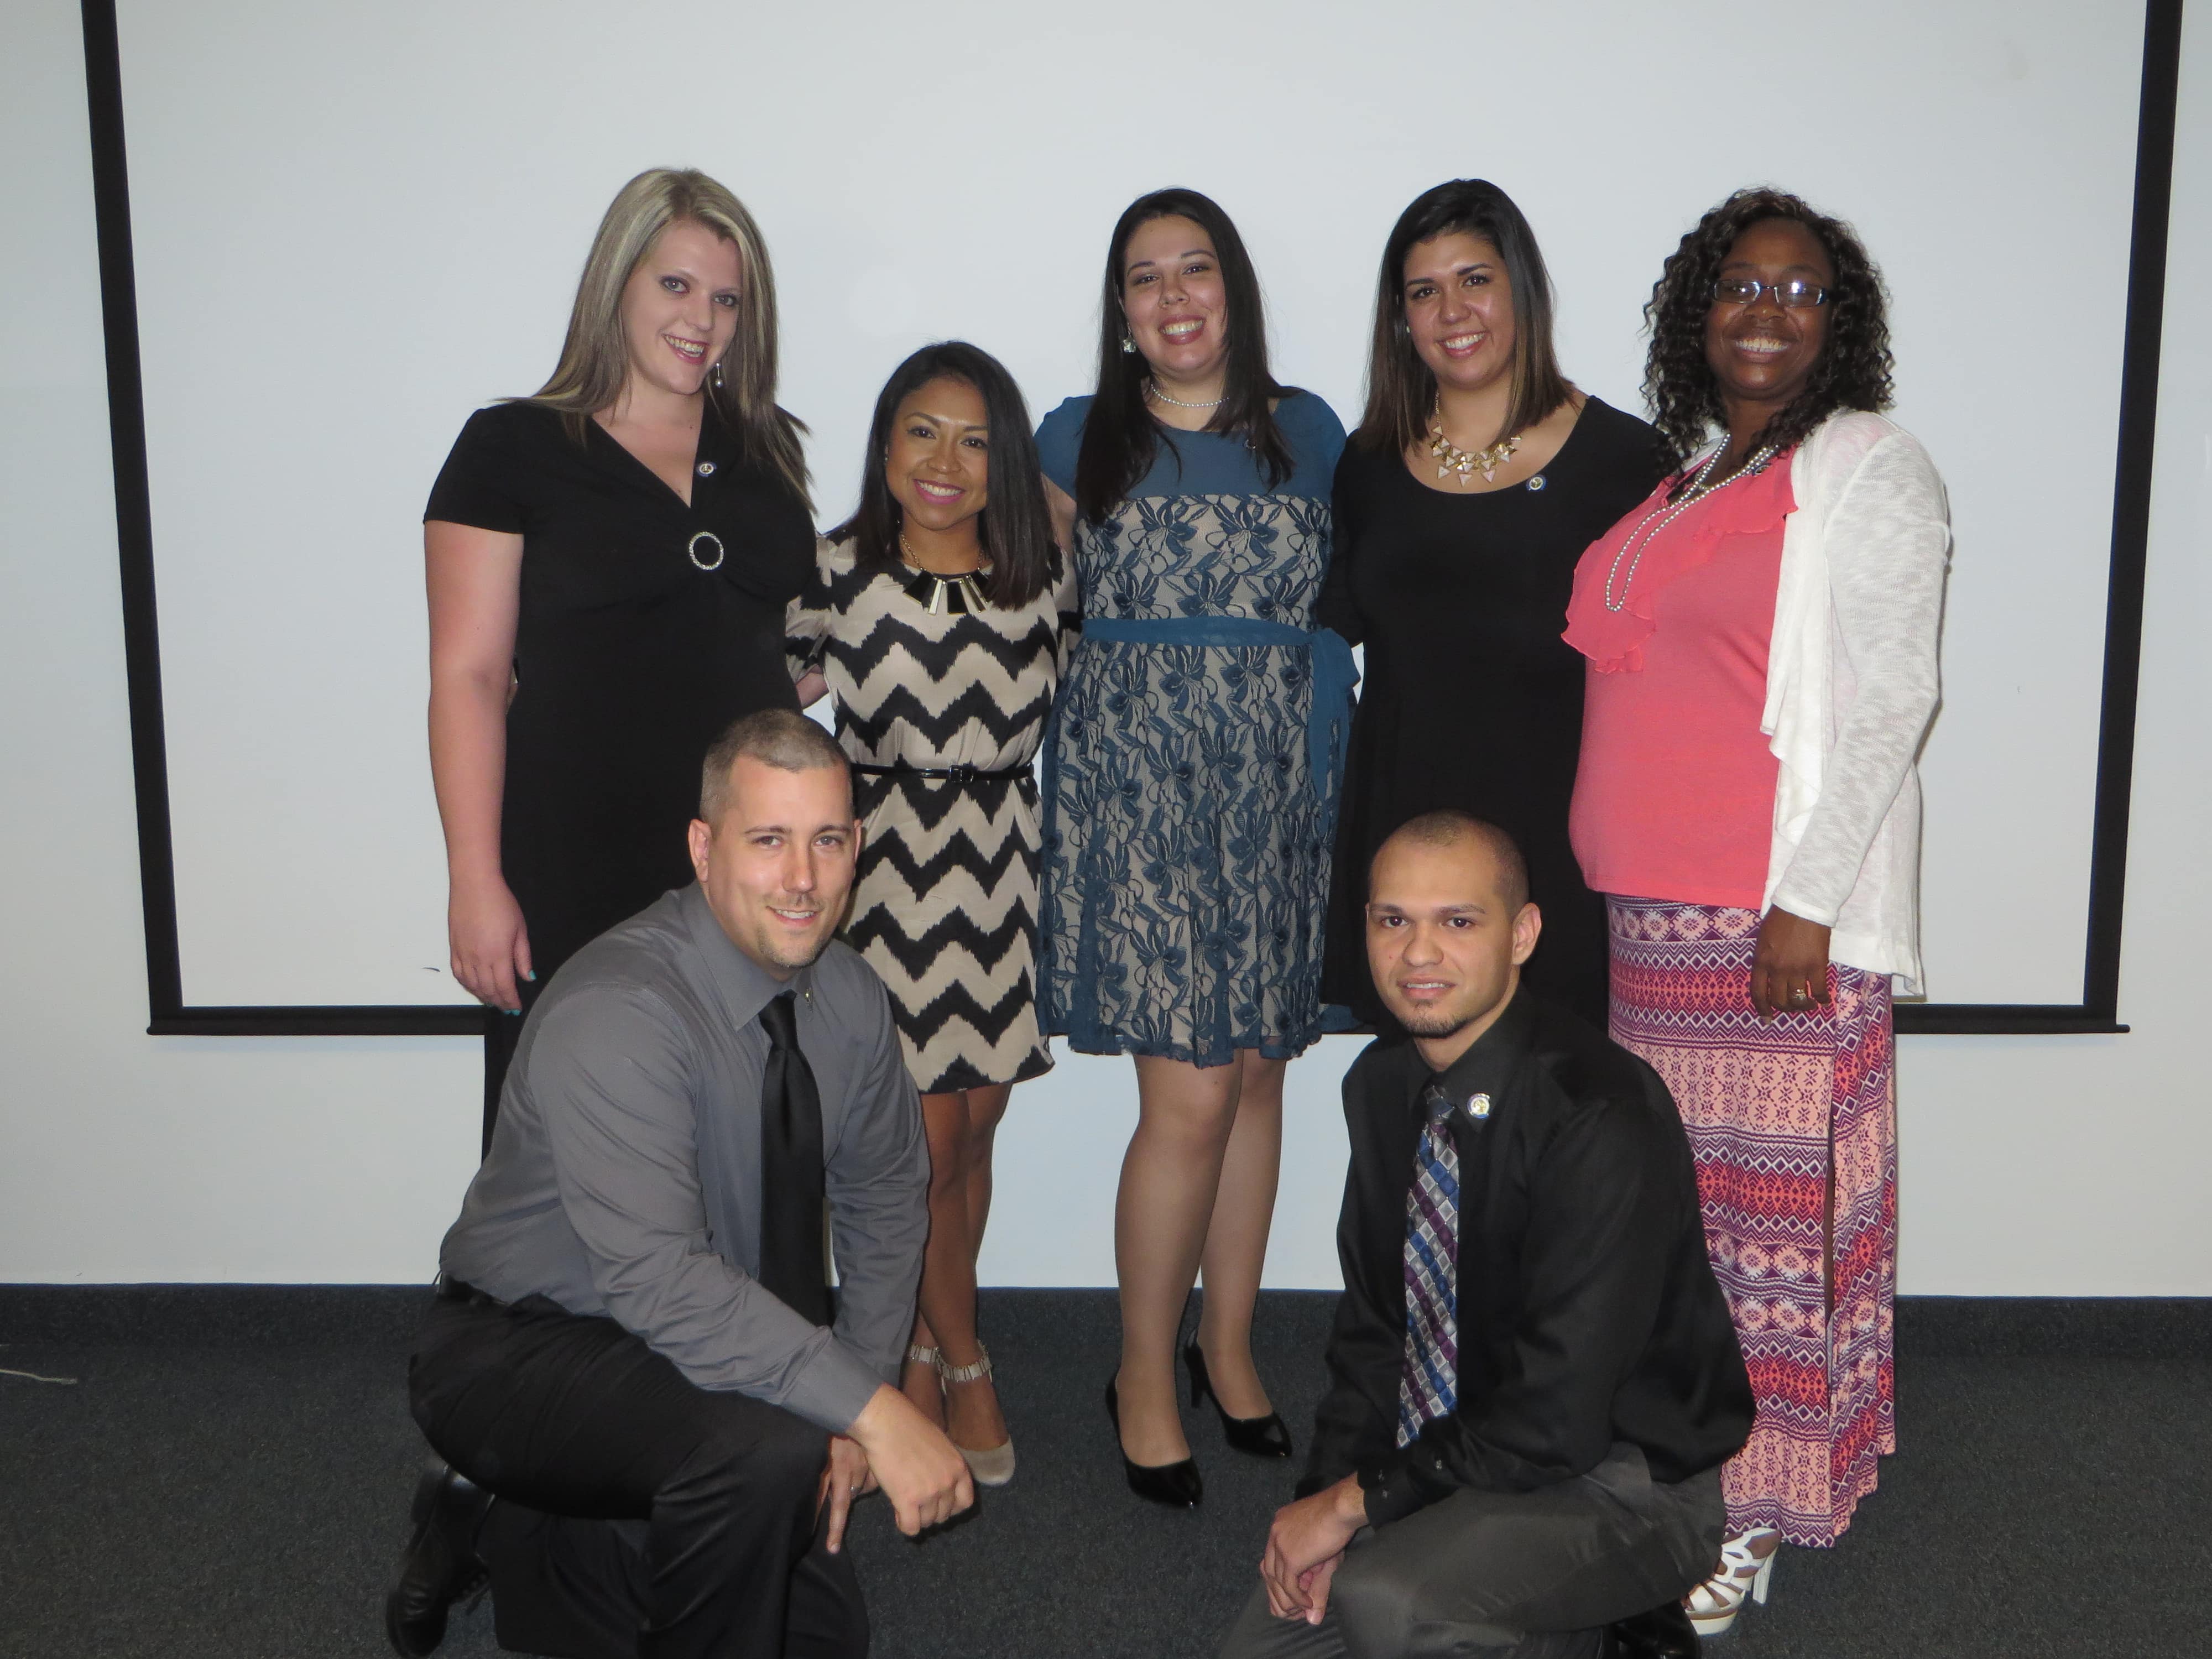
624 1176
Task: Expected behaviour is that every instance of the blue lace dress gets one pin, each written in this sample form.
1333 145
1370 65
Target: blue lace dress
1189 783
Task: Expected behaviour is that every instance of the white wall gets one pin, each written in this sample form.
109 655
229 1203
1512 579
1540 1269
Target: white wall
2042 1166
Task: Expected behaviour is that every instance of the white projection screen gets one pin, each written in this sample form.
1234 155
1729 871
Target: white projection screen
351 224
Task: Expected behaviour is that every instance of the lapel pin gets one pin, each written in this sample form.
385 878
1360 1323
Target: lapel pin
1478 1107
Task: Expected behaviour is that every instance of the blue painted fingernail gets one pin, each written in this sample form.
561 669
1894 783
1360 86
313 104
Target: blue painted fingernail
530 974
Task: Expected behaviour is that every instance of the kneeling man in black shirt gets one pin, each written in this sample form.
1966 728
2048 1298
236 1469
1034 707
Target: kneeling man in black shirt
1534 1378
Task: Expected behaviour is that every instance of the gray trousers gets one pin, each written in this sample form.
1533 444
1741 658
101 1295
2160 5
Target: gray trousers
1535 1575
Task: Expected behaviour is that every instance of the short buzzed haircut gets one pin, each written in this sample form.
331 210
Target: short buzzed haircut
774 737
1451 827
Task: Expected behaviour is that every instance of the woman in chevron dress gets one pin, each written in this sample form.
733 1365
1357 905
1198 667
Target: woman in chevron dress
938 615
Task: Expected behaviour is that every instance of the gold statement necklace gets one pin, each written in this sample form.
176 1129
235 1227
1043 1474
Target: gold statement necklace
965 582
1450 457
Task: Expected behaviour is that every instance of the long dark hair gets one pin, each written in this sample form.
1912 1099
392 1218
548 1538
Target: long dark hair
1016 527
1401 389
1119 437
1855 367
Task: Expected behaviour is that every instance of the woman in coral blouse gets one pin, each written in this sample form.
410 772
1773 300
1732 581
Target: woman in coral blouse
1761 634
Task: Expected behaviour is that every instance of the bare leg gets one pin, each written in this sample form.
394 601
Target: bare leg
947 1301
986 1107
1237 1239
963 1401
918 1382
1185 1113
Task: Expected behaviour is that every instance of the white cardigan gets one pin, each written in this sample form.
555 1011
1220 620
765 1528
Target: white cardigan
1851 687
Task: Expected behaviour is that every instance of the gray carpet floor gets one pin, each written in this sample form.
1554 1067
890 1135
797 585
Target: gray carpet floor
216 1486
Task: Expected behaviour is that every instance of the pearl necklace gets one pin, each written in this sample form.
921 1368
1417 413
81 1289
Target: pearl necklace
1153 390
1450 457
1699 489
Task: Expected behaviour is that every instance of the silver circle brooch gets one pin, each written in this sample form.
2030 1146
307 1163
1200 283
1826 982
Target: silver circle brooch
709 536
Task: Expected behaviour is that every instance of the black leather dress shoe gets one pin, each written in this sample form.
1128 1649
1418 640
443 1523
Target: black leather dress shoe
1255 1436
1177 1485
440 1566
1664 1632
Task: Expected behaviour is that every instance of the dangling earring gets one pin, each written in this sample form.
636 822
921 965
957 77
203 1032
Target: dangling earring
718 374
1128 343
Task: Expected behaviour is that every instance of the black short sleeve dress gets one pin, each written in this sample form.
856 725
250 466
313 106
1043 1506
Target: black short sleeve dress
1469 698
645 628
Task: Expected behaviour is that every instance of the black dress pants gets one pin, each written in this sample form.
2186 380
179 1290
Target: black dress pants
637 1515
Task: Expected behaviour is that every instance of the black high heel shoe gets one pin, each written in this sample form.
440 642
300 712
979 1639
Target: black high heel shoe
1177 1485
1256 1436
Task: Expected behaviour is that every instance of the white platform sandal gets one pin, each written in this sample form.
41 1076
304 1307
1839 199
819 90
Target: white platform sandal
1743 1572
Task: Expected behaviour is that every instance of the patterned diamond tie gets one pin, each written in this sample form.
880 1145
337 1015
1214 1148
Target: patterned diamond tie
1428 1386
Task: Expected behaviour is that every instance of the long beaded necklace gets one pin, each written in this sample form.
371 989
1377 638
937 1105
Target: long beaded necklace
1450 457
1667 513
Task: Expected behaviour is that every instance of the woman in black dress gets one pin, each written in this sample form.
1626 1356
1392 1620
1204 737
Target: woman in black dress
609 562
1476 478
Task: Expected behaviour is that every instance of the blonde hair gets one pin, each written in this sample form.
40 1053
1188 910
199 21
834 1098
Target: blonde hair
595 358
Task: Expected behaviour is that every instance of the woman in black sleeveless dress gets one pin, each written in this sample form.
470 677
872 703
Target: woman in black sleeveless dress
1452 565
609 564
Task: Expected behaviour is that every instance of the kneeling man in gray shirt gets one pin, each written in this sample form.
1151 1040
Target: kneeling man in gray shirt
652 1424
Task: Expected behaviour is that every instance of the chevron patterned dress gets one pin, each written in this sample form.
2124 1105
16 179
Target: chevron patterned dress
946 906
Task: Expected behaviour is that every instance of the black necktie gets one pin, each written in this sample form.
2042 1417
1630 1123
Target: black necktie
792 1263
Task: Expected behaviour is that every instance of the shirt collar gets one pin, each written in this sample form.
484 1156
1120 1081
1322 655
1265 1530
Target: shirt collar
1488 1066
742 984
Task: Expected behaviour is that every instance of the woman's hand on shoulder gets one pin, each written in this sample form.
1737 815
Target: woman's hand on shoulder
489 943
1790 965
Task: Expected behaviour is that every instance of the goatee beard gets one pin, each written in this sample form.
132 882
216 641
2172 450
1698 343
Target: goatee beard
1436 1025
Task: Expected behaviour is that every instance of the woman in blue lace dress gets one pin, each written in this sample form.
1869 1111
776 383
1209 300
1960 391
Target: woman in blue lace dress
1200 729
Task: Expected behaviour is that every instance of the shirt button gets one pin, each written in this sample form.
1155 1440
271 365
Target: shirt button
706 469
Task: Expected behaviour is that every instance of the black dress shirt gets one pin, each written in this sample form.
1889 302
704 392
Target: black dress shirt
1588 1311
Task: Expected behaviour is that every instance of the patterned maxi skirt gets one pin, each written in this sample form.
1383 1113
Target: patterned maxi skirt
1793 1124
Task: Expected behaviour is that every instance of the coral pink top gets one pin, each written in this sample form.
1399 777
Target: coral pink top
1674 796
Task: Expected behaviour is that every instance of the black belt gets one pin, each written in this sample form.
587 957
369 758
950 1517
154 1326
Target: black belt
450 1289
951 774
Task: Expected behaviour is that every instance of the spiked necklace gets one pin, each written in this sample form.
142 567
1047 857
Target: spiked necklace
1450 457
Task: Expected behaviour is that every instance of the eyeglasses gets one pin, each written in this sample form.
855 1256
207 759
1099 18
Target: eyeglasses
1795 295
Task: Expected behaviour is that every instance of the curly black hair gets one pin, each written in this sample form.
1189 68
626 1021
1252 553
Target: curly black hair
1854 367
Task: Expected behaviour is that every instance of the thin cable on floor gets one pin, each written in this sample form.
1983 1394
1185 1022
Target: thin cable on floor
35 1376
